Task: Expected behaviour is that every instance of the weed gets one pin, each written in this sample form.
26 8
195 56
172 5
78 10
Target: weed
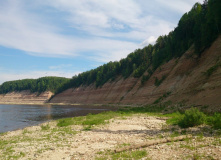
129 155
212 69
192 117
25 131
162 98
216 121
175 118
175 134
65 122
45 127
158 82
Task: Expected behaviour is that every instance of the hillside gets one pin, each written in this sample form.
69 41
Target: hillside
30 91
183 67
34 85
189 80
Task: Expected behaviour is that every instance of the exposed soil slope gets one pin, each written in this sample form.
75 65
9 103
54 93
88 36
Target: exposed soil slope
25 97
185 81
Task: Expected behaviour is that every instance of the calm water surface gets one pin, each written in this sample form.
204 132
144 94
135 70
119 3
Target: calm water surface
14 117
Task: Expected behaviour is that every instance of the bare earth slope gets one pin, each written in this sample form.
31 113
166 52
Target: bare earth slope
186 82
25 97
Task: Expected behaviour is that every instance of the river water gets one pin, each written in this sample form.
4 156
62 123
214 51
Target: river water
14 117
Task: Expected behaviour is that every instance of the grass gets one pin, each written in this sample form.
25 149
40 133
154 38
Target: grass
45 127
194 117
103 118
190 118
54 135
89 120
135 155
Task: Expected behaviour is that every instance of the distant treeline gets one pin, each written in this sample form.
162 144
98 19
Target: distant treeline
199 28
34 85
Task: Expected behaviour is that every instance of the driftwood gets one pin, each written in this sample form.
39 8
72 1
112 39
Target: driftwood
152 142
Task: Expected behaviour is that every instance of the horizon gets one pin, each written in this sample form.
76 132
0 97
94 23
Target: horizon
63 38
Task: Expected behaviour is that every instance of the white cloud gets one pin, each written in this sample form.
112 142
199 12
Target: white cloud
180 6
150 40
110 28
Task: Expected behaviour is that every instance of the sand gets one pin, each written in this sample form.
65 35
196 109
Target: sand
74 142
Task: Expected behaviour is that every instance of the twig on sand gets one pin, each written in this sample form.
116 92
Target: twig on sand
153 142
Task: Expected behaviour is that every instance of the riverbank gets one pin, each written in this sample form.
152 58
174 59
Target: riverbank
97 136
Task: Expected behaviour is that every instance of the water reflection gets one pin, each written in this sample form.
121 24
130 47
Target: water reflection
19 116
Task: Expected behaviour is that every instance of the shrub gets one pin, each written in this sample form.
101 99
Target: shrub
216 121
158 82
212 69
192 117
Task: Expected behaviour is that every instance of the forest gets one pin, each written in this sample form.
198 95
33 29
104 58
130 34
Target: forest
198 28
34 85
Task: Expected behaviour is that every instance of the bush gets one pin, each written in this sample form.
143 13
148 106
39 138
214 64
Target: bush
192 117
216 121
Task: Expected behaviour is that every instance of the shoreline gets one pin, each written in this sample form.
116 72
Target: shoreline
49 141
82 110
72 104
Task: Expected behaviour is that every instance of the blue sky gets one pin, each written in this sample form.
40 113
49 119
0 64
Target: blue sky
65 37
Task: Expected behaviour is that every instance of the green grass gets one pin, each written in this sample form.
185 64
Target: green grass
103 118
89 120
135 155
215 121
191 117
45 127
194 117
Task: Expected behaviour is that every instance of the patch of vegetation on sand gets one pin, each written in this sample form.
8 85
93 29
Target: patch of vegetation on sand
138 154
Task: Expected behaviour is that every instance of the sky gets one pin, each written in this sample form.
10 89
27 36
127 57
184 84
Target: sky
66 37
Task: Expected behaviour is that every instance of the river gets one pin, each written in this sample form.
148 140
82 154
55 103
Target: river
14 117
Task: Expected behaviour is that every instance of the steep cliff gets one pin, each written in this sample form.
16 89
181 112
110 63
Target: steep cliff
189 79
25 97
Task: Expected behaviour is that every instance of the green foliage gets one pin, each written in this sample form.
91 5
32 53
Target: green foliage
130 155
158 82
65 122
138 154
34 85
88 120
165 95
216 121
45 127
192 117
146 77
199 27
212 69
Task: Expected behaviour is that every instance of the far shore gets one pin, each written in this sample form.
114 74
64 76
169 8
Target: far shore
70 104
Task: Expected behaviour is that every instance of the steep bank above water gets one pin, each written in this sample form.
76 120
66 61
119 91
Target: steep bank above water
189 79
25 97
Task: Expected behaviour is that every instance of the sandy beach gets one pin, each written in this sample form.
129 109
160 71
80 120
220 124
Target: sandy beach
50 142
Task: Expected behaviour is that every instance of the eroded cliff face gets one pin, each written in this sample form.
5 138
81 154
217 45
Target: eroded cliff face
25 97
185 81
